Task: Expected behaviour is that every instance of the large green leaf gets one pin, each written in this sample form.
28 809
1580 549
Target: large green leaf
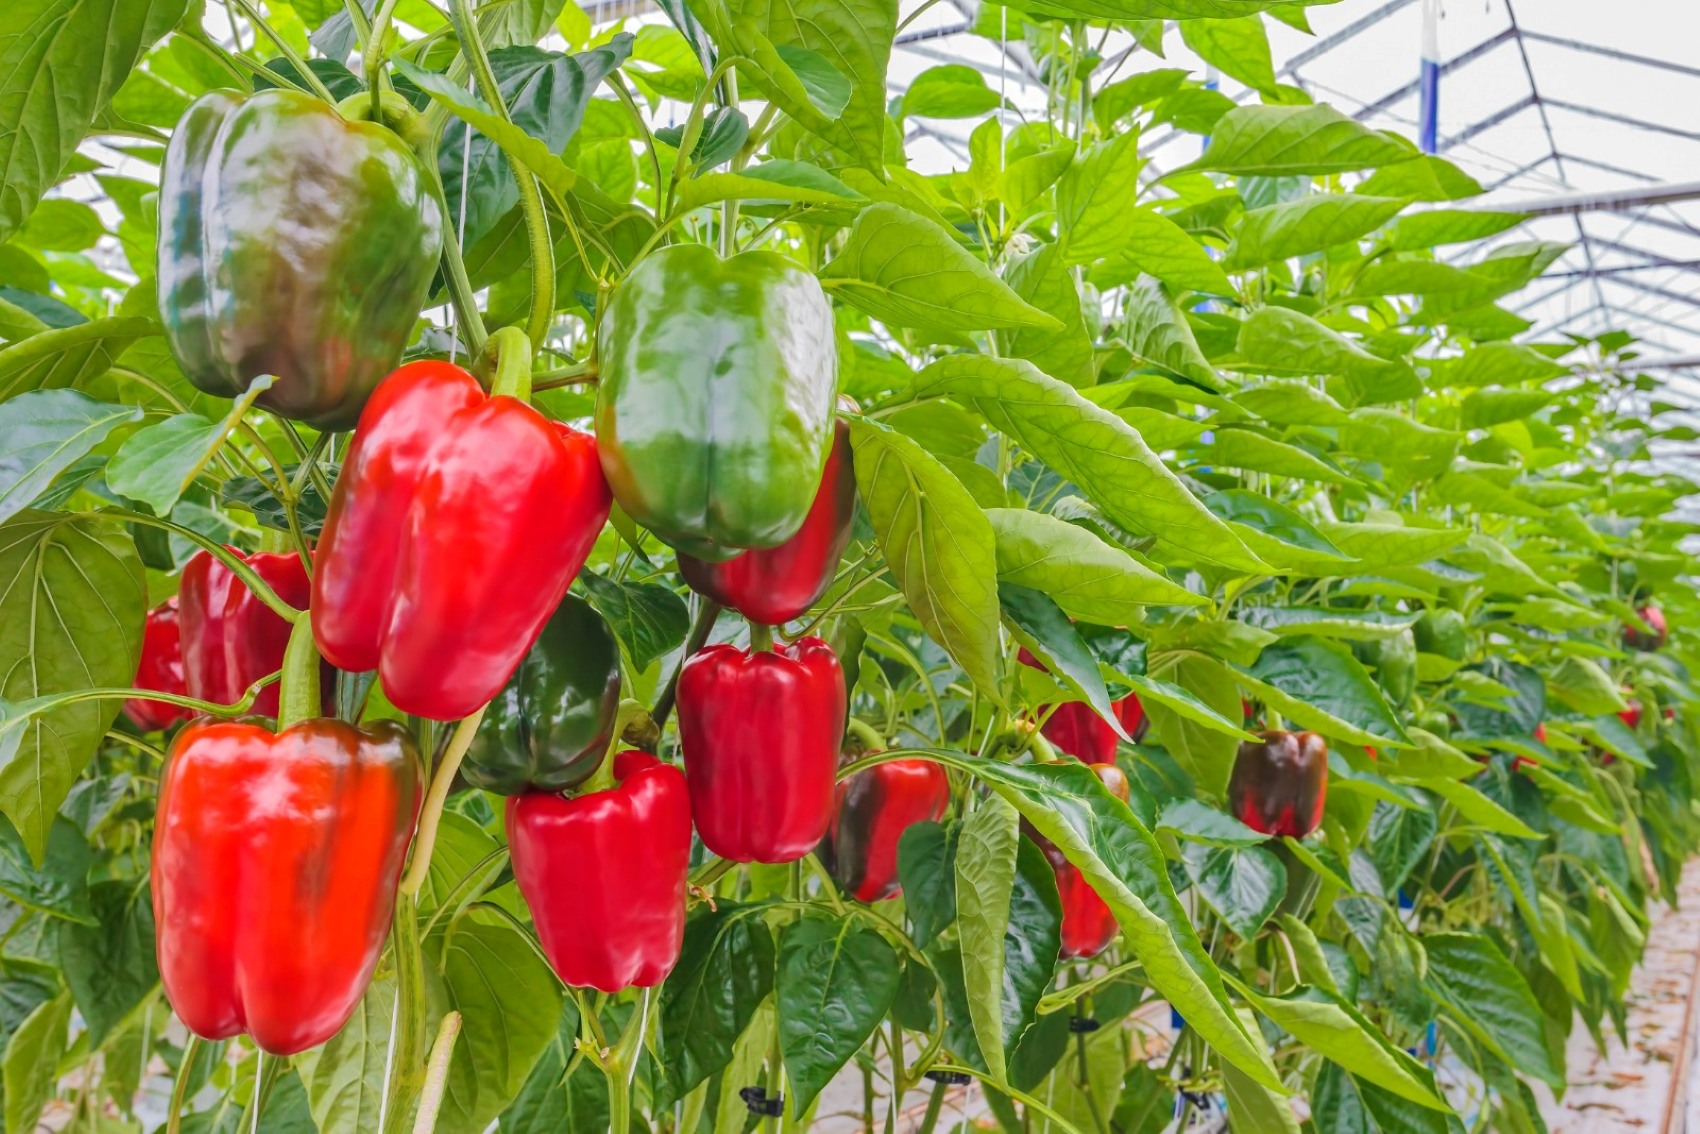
1242 884
42 433
1044 280
1309 224
1280 141
1092 580
1277 340
1094 197
725 971
1250 450
1431 228
157 464
1154 245
926 866
1000 1000
1291 403
1041 626
72 602
57 886
1323 687
1157 333
836 981
1091 447
546 1102
1483 991
905 270
67 357
1155 9
938 543
30 1066
1323 622
345 1077
61 61
1204 749
1238 48
110 966
509 1003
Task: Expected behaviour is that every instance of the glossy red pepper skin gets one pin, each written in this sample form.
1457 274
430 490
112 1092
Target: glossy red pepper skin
1280 783
161 668
275 864
1088 924
457 524
1652 638
604 874
1632 715
1075 728
760 732
230 638
873 809
774 585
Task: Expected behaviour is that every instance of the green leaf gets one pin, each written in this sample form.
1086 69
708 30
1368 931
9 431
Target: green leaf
1094 196
1476 808
836 981
1332 1028
109 966
1426 178
345 1077
509 1003
1041 626
1152 244
1243 885
1257 1108
1483 409
1353 625
1279 141
938 543
1432 228
1484 992
73 602
1203 747
1309 224
158 463
1239 48
1277 340
70 356
985 882
1158 334
906 271
1184 704
546 1102
1585 687
1247 449
1392 545
43 433
1277 533
954 90
649 619
775 180
59 886
1091 447
1121 861
1042 279
725 971
1323 687
1090 579
1198 822
61 61
1291 403
926 866
30 1066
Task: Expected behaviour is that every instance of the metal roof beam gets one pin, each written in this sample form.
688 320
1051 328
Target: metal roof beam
1604 167
1388 101
1350 32
931 33
1608 201
1659 292
1610 53
1623 119
1520 171
1490 122
1621 269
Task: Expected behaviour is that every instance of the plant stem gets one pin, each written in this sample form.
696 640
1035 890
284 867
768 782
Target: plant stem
371 61
180 1089
432 813
935 1103
700 630
437 1074
284 49
299 699
250 578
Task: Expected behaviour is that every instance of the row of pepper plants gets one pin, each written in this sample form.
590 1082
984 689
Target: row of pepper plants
576 589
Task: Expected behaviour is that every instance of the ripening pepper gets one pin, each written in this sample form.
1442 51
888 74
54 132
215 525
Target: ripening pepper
873 809
161 668
715 405
276 859
1280 783
775 585
1442 632
550 725
230 638
456 527
1088 923
1653 637
760 731
1394 660
1075 728
296 243
604 874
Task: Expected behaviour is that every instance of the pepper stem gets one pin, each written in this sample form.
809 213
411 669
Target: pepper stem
507 360
866 733
437 1078
761 637
298 698
432 813
603 778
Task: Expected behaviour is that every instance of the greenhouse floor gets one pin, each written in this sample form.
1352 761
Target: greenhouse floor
1652 1086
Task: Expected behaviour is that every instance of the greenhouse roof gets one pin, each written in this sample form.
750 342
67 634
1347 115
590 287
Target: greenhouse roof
1544 103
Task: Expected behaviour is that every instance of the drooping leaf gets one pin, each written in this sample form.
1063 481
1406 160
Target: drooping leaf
836 981
1321 686
43 433
1277 141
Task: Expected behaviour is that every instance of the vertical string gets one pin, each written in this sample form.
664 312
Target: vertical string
460 225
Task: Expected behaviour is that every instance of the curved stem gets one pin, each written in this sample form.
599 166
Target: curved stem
299 698
371 60
250 578
437 1075
530 197
432 813
507 358
23 710
284 49
866 733
180 1090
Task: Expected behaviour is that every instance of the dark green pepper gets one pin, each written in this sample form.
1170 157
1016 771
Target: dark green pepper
548 728
292 242
714 412
1442 632
1395 663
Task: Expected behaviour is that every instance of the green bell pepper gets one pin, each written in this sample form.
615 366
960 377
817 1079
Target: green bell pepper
296 243
714 412
1395 663
549 727
1442 632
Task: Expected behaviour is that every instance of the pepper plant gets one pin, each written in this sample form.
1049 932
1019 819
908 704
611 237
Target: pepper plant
1145 642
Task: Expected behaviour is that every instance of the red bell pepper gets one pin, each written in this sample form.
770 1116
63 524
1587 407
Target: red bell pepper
774 585
874 808
1075 728
1655 634
604 874
457 525
760 731
1130 710
1088 924
275 865
230 638
1280 783
161 668
1632 715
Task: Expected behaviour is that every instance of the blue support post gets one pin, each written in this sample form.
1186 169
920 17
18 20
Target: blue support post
1428 113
